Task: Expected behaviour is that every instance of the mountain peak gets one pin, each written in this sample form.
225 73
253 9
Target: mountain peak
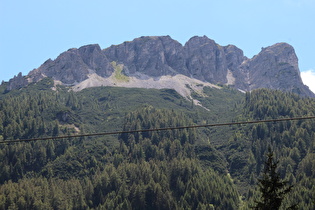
74 65
276 67
199 41
284 53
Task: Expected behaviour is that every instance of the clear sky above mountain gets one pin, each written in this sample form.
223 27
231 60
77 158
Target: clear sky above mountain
33 31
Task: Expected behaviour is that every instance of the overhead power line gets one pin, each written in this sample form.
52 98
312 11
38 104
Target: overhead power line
156 129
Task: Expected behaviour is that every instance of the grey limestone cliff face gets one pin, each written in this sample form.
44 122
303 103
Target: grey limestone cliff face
94 58
234 59
74 65
206 60
152 56
275 67
200 58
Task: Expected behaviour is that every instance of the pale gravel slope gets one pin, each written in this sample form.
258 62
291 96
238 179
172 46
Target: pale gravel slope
180 83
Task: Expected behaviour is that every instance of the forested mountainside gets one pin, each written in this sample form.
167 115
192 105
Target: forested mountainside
293 143
201 168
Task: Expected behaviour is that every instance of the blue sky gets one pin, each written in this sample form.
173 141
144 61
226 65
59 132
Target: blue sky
33 31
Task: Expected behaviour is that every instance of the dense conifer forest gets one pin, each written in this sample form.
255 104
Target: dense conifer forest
200 168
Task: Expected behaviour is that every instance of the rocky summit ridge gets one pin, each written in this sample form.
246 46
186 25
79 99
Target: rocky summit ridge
152 57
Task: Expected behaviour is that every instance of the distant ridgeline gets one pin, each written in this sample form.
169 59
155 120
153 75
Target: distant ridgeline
149 61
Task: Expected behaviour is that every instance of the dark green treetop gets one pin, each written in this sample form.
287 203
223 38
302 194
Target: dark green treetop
273 189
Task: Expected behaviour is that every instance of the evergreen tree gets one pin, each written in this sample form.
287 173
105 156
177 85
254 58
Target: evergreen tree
272 188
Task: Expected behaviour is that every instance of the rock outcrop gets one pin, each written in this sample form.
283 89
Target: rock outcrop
206 60
275 67
74 65
17 82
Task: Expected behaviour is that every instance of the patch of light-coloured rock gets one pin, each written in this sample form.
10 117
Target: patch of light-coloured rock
182 84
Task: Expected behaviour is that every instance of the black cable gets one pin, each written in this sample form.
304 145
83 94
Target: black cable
156 129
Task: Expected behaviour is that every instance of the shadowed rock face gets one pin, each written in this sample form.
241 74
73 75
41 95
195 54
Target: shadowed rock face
234 59
275 67
206 60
